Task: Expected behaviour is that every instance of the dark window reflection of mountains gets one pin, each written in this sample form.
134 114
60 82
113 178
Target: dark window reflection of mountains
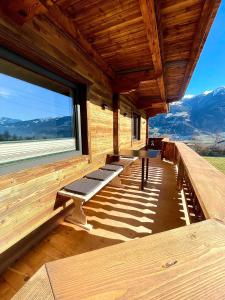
36 129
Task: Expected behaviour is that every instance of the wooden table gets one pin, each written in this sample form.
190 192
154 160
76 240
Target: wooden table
184 263
144 155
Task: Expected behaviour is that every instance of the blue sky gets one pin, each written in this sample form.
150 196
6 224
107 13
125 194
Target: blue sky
25 101
210 70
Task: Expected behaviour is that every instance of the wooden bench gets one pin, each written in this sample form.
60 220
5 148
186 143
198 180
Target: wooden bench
82 190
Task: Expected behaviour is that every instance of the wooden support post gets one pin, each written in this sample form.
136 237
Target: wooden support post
163 150
180 175
116 123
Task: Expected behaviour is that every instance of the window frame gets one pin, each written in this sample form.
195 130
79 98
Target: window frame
136 126
77 124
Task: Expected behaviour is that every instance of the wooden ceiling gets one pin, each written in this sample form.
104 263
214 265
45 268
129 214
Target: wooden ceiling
147 48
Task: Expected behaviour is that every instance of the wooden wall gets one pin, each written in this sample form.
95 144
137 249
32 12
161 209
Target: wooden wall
27 198
126 141
125 126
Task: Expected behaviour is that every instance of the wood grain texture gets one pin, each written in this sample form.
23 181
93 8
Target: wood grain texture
116 123
184 263
125 125
117 215
28 197
117 33
207 182
59 19
38 287
122 39
152 29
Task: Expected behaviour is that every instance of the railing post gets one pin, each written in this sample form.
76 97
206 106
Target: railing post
180 175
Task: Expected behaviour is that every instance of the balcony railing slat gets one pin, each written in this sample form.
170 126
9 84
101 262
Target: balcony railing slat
204 182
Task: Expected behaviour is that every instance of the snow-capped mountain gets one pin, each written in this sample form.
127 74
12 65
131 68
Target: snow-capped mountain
5 121
11 129
201 114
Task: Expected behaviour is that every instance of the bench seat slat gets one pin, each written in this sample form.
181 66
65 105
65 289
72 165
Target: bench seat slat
82 186
111 167
100 175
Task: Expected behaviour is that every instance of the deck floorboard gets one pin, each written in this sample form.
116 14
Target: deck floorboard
117 215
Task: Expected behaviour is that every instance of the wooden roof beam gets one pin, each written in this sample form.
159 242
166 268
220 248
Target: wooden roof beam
130 81
150 19
148 102
154 111
135 69
68 26
21 11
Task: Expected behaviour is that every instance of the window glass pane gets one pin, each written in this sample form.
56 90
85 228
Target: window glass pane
136 126
34 120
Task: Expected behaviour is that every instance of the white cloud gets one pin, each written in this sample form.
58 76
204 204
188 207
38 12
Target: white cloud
176 103
188 96
168 115
5 93
207 92
183 114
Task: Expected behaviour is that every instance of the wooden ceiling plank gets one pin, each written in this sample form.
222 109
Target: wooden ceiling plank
130 81
68 26
149 16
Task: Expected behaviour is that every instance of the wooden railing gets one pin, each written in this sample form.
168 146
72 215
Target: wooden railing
202 183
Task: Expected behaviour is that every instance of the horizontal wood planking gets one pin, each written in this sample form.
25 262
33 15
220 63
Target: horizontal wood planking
184 263
120 23
115 39
207 181
125 126
117 31
27 198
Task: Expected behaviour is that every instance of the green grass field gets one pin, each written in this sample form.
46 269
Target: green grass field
218 162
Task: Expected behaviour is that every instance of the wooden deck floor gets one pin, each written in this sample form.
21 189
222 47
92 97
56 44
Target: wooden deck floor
116 214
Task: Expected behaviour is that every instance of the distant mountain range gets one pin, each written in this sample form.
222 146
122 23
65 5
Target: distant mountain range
193 117
14 129
190 118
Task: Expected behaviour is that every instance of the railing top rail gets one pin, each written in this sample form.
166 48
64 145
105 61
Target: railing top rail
207 182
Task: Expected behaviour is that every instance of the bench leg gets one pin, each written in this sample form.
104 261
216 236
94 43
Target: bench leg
136 162
78 216
116 182
127 171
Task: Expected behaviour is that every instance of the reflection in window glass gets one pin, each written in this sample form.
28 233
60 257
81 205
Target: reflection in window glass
136 126
34 120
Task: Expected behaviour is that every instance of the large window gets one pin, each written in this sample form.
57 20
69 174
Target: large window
39 115
136 126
